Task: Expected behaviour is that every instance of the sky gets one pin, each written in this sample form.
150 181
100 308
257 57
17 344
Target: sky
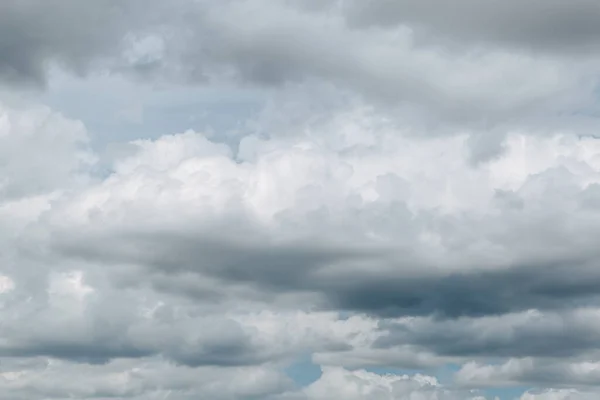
299 200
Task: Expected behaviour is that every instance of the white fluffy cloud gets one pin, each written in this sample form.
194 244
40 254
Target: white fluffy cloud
336 383
365 205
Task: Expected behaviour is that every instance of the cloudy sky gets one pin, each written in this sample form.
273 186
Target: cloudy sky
299 200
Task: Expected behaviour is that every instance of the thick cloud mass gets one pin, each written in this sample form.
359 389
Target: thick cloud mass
267 43
405 243
535 25
68 32
183 226
412 214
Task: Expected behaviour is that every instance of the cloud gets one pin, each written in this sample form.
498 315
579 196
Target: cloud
532 333
558 394
140 379
62 32
195 42
283 44
40 152
419 195
527 371
439 239
173 253
77 322
341 383
548 26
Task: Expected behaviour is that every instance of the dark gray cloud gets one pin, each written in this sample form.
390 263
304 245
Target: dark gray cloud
472 294
529 334
299 267
112 326
69 34
537 25
198 42
272 267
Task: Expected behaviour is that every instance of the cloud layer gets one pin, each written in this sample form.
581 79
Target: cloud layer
412 214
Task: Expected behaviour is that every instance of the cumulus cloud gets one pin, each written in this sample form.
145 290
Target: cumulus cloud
440 238
420 195
183 224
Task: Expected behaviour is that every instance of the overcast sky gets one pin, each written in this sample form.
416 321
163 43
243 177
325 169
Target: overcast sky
299 200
